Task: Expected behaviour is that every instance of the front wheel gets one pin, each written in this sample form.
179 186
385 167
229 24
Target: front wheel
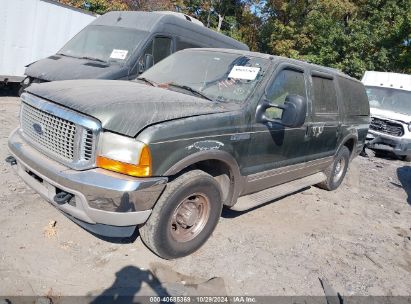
185 215
336 171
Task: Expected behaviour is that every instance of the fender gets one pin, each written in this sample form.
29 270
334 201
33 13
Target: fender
352 135
236 178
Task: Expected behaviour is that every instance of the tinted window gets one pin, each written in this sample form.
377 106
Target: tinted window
149 49
354 97
181 45
161 48
325 97
287 82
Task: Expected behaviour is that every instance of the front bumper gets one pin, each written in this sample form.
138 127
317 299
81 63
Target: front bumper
398 146
100 197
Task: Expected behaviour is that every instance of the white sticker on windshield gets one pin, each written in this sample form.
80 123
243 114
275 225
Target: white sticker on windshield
119 54
244 72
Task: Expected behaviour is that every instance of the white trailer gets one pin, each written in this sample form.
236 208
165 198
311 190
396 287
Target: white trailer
34 29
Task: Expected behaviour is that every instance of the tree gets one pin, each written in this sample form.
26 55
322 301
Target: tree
98 6
353 36
151 5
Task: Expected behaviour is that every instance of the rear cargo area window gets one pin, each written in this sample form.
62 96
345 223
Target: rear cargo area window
325 96
354 97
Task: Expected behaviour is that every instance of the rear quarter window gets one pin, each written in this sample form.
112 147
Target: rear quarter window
354 97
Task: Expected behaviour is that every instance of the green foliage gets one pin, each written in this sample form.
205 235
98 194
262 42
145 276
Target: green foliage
98 6
352 36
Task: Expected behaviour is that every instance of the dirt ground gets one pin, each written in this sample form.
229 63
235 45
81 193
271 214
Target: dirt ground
357 237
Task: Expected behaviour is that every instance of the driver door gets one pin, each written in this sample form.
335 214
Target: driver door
275 149
158 48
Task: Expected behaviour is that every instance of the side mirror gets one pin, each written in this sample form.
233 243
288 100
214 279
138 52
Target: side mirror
294 111
293 115
146 63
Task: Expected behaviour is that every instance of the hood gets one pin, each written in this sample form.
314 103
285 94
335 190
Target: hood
124 107
58 67
386 114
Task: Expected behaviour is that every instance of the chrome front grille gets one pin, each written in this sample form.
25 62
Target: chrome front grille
64 135
87 151
54 134
386 126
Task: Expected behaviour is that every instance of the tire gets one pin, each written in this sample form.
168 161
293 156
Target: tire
380 154
184 216
336 171
406 158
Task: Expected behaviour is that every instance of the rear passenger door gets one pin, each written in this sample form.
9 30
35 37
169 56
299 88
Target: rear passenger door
325 126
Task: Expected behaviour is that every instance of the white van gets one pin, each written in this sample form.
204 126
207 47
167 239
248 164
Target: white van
389 95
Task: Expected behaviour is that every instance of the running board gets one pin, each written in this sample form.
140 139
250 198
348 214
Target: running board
255 199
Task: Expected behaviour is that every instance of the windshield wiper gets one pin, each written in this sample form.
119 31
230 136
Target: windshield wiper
190 89
65 55
94 59
150 82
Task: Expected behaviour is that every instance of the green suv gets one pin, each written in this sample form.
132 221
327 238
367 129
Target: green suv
202 129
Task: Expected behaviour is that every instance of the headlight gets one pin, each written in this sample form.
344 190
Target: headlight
124 155
26 81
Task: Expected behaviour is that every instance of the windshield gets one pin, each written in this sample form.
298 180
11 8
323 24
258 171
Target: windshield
390 99
215 75
105 43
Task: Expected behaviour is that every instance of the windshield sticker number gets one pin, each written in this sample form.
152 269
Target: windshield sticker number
243 72
119 54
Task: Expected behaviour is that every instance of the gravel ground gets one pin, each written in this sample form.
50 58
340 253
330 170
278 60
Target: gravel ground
357 237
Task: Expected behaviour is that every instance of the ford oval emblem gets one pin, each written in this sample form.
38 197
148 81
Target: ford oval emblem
38 128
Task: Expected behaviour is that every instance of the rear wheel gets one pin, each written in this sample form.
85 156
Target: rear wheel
336 171
184 217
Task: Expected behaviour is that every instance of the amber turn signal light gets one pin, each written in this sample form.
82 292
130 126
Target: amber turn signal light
143 169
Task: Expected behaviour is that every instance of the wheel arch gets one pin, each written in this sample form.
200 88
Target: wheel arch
219 164
350 141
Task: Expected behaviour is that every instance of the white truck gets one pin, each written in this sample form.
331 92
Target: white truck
389 95
34 29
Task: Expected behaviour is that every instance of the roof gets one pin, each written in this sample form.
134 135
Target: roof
162 22
387 80
273 57
181 15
